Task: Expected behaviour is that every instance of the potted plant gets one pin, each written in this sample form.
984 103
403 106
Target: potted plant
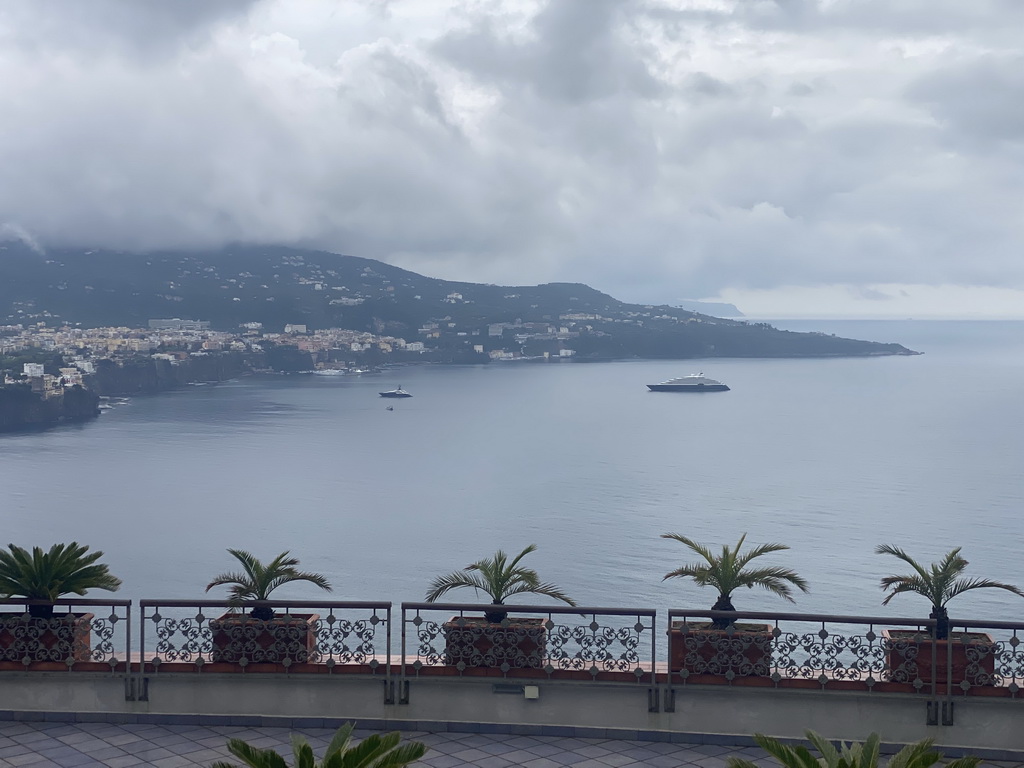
723 647
375 751
909 655
41 578
495 640
263 636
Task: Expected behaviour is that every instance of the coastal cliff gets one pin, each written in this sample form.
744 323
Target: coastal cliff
21 408
145 375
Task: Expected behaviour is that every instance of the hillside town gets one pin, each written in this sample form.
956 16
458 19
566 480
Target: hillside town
175 339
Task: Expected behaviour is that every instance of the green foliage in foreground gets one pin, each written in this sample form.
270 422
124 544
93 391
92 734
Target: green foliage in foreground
375 751
866 755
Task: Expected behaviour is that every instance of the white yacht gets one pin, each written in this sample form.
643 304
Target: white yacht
695 382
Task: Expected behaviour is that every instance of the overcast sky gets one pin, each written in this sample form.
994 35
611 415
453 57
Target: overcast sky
795 157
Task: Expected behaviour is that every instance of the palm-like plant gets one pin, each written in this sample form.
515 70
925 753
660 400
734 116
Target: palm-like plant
65 569
866 755
257 580
375 751
499 579
729 571
939 583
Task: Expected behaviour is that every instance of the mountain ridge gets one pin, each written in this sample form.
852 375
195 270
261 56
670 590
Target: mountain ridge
279 285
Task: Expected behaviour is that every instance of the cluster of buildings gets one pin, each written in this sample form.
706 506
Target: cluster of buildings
175 339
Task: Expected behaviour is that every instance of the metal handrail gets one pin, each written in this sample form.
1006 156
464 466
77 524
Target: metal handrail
496 608
816 617
69 601
227 603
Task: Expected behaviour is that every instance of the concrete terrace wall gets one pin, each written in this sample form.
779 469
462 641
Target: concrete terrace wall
710 714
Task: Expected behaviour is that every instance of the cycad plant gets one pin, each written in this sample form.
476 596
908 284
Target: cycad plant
866 755
939 583
375 751
499 579
728 571
257 580
66 569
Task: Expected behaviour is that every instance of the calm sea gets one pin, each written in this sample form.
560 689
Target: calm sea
829 456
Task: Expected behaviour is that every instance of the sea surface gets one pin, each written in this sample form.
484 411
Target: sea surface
831 457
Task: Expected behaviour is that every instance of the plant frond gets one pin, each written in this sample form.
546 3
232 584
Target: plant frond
939 583
728 571
548 590
254 757
302 752
498 578
758 551
257 580
456 580
341 740
697 548
965 585
63 569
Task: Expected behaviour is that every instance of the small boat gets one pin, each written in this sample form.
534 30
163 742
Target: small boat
390 408
395 392
695 382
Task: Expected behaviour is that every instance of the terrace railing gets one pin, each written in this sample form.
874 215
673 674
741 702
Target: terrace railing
607 644
82 635
302 637
803 650
983 658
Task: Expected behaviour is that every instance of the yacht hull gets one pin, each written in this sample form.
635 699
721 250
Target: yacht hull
687 387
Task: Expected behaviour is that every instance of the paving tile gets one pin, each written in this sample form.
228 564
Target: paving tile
175 761
152 753
592 750
75 761
541 762
494 761
441 761
669 761
129 761
34 737
106 752
470 755
545 749
29 759
124 737
616 761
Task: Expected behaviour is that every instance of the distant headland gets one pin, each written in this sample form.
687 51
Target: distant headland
79 324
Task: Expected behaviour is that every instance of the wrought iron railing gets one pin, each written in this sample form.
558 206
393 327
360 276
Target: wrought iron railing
302 636
983 658
611 644
802 650
80 635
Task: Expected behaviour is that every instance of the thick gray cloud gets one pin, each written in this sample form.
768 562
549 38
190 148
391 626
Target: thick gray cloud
654 149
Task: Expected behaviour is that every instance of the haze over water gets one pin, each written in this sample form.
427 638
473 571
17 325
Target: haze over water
829 456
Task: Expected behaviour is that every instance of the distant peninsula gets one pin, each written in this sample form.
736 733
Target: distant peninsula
271 288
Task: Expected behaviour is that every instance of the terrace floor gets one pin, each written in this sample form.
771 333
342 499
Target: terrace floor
105 745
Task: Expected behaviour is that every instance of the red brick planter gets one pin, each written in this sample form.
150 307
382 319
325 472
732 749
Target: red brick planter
238 636
475 642
45 642
745 650
909 657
